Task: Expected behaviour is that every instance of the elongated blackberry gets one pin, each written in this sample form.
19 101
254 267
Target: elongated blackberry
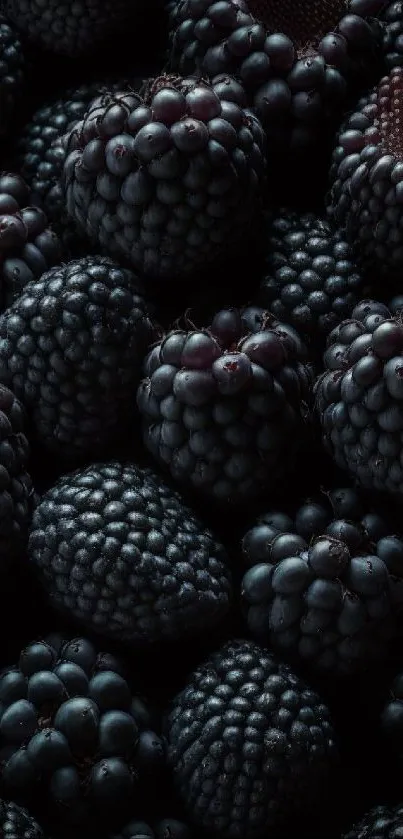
72 348
366 179
382 822
28 246
16 491
224 407
310 277
324 585
164 829
248 743
70 28
297 61
17 823
73 734
392 18
12 73
119 551
359 397
169 181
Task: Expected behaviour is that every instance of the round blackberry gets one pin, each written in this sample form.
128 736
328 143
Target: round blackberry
382 822
17 823
41 154
16 490
359 397
72 348
310 278
168 181
323 586
224 408
164 829
28 247
119 551
366 179
296 61
71 28
12 73
72 733
248 743
393 34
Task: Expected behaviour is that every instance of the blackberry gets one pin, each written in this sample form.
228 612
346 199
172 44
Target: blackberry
28 246
17 823
69 28
382 822
297 61
119 551
72 733
366 179
72 348
164 829
16 490
41 154
310 277
12 73
224 408
248 743
324 585
393 34
168 181
360 397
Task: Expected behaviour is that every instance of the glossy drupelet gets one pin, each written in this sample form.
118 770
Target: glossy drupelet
366 179
17 823
119 551
248 743
12 73
359 397
164 829
72 733
72 348
16 490
28 246
324 586
224 407
310 276
170 180
69 27
298 61
383 822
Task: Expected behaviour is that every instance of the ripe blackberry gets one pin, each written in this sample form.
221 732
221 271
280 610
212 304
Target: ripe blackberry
168 181
119 551
12 73
164 829
393 34
17 823
16 491
69 28
248 743
28 247
382 822
323 585
224 408
72 733
310 278
360 397
72 348
296 61
366 178
41 154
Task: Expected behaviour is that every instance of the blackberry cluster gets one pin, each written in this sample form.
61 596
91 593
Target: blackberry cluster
28 246
168 180
16 490
248 743
17 823
393 34
120 551
310 277
297 61
72 348
12 73
164 829
366 179
323 585
69 28
359 397
224 408
383 822
72 733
